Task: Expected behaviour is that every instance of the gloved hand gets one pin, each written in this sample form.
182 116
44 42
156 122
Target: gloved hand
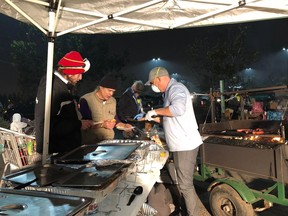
149 115
138 116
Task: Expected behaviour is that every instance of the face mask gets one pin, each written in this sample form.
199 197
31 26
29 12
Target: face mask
155 88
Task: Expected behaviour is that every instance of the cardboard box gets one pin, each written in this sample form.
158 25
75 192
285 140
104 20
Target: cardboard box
273 105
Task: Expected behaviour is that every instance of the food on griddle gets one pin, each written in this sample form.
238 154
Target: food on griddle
244 131
258 131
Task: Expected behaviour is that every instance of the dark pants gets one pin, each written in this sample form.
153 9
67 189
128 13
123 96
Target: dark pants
184 162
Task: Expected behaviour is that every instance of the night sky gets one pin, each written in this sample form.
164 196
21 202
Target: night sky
267 37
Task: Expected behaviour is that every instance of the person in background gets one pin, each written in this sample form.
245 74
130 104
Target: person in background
100 106
129 105
65 125
181 131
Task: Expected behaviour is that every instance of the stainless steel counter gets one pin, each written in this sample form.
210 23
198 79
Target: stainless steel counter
141 168
19 202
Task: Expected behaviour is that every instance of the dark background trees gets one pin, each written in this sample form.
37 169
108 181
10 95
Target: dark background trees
210 58
220 58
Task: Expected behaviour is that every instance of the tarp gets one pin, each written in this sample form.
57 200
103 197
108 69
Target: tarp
56 18
110 16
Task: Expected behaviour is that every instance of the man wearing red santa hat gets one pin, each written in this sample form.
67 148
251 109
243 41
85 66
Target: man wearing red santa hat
65 125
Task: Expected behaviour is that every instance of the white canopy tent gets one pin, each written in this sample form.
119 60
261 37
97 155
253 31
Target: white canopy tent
109 16
58 17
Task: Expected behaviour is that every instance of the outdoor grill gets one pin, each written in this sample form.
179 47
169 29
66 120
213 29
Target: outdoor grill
257 148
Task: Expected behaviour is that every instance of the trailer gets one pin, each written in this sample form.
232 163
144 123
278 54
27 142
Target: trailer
244 155
246 162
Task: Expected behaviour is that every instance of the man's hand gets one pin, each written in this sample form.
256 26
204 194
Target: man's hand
150 115
86 124
109 124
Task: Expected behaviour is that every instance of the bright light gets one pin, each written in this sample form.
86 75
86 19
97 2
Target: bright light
156 59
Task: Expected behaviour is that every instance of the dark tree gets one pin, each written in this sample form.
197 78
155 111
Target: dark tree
220 59
29 55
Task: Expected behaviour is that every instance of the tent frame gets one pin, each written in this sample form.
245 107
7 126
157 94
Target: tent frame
56 8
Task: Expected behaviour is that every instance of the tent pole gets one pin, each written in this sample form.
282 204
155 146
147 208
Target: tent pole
48 95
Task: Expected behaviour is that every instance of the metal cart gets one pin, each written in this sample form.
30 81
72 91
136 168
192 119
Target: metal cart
17 150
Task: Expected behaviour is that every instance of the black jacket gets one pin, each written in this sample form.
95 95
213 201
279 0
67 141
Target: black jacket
127 106
65 127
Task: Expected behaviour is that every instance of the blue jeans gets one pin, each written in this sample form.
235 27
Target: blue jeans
184 162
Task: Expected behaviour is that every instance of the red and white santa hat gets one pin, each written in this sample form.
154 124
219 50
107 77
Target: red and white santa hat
73 63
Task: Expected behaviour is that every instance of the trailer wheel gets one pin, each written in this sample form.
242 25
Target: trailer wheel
225 201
